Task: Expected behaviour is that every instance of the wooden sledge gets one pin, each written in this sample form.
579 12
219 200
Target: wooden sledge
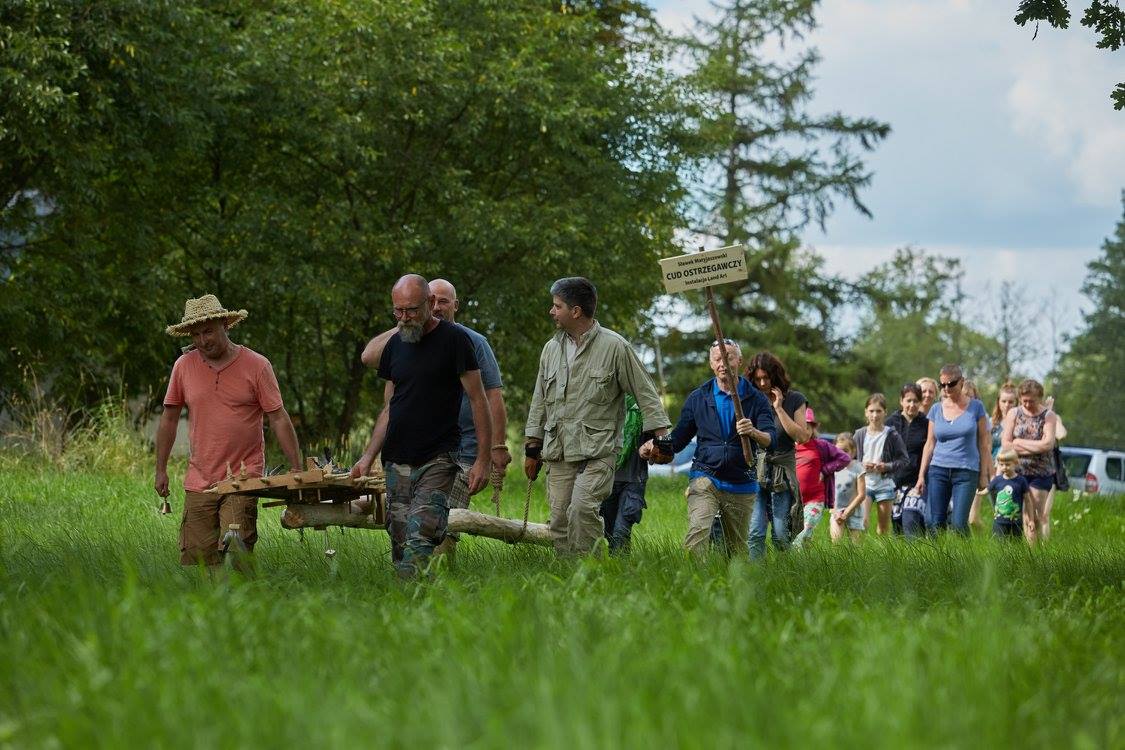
325 495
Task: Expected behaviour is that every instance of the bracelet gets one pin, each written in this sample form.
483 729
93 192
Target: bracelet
501 445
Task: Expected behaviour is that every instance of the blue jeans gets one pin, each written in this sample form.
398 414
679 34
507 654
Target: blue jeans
771 508
943 484
913 524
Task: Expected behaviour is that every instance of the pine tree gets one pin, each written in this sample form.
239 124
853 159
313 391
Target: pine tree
1090 398
769 168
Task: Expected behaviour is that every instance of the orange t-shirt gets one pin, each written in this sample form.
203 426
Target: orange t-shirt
225 408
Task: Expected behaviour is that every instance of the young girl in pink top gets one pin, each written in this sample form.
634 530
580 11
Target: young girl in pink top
817 463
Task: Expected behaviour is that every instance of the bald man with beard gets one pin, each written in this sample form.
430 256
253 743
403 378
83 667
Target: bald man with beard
429 365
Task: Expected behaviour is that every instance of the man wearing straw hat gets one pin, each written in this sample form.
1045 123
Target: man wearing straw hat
226 388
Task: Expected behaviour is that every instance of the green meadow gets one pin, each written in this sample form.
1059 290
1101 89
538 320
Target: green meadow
105 641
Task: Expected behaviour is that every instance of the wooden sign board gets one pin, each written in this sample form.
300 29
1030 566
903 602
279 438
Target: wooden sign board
708 268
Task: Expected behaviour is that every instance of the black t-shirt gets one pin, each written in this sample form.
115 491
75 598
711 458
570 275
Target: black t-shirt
789 402
914 435
427 397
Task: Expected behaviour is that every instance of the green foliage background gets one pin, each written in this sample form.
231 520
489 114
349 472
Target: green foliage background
295 158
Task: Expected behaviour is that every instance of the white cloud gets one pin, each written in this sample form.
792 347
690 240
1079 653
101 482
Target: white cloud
1060 100
1006 151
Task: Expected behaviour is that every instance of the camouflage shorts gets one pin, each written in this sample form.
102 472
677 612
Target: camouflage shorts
418 500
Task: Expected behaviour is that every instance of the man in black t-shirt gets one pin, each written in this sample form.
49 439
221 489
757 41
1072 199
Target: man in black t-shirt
428 364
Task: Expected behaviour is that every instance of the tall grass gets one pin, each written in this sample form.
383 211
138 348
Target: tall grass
105 438
106 641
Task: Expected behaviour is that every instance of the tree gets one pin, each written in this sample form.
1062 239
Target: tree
1105 17
297 157
1013 323
767 169
913 325
1089 396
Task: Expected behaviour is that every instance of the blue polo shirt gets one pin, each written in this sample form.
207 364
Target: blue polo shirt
724 404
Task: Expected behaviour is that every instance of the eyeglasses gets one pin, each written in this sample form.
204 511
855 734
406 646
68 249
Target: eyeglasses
951 384
402 312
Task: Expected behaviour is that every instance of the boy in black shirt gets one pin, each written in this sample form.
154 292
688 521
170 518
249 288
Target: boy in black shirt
1008 490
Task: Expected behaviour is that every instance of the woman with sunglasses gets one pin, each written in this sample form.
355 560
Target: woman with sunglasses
956 461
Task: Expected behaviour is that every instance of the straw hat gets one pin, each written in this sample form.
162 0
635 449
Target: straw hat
204 308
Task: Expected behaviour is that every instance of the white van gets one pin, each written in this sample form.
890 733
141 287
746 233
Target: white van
1094 470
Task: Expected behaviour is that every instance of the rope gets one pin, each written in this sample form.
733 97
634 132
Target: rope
526 510
497 481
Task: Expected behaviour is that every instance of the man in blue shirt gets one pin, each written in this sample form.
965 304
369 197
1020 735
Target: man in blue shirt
721 482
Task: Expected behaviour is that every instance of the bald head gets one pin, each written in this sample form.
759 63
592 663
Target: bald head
412 282
445 300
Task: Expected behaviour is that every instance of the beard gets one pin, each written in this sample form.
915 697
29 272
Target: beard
411 333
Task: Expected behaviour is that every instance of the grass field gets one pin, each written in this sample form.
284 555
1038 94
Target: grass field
106 641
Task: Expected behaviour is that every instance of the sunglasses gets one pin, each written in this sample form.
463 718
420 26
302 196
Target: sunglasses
727 342
951 384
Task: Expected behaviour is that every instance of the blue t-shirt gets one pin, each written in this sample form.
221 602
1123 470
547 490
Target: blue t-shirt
955 445
1007 496
724 404
490 376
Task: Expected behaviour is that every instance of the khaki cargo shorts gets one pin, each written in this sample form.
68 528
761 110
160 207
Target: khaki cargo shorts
207 517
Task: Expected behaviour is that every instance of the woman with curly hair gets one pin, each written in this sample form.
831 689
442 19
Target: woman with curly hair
779 491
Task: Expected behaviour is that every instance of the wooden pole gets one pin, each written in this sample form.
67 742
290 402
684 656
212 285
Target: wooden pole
732 377
461 520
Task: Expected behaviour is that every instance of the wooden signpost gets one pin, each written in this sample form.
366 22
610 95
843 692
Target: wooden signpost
704 270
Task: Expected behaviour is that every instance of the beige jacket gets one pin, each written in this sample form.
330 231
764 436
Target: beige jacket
578 412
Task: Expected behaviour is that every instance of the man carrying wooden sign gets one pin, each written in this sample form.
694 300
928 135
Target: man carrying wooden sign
724 414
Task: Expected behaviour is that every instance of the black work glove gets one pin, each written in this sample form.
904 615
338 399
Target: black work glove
532 462
662 447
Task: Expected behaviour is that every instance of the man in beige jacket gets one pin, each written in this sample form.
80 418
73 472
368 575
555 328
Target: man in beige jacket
577 414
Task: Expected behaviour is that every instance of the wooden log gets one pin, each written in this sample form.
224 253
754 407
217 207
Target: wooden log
465 521
314 515
461 521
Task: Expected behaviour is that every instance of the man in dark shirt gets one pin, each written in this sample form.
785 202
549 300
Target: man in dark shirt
428 364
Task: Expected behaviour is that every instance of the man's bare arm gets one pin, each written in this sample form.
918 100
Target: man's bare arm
373 352
378 435
499 413
165 437
482 423
283 430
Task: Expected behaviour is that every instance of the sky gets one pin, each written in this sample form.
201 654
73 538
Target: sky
1005 151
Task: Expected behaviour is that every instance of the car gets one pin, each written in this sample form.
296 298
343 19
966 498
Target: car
681 463
1095 470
